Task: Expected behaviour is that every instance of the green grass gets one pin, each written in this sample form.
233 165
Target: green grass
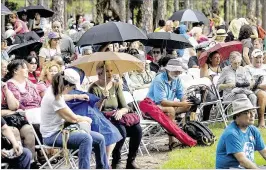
201 157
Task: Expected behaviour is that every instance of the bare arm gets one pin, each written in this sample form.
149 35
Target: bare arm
12 102
204 71
71 117
19 27
7 112
245 55
7 132
42 61
168 103
244 161
263 153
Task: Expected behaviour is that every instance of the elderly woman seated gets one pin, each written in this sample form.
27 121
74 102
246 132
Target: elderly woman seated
258 73
114 101
235 82
142 79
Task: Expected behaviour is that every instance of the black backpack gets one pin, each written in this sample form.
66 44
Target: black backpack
200 133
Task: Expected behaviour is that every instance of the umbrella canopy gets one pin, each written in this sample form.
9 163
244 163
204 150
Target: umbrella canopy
189 15
31 10
5 10
167 39
120 62
23 50
111 32
224 50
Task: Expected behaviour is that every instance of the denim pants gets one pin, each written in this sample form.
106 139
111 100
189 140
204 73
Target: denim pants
21 162
84 143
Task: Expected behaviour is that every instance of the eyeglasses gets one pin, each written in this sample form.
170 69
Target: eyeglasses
56 26
33 63
156 52
55 39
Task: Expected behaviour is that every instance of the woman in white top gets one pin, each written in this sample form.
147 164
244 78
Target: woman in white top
54 114
50 49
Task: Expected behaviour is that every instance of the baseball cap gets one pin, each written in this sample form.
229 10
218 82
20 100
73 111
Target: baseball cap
72 77
256 53
53 35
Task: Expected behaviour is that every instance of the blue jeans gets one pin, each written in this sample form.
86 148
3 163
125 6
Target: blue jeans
21 162
84 142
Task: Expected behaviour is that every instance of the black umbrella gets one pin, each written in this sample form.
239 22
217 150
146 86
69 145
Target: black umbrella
31 10
189 15
5 10
23 50
167 40
111 32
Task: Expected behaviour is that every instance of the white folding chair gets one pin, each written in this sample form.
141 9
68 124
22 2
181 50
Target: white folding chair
194 72
4 165
34 117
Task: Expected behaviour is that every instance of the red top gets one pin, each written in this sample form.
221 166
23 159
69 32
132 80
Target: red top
32 78
24 27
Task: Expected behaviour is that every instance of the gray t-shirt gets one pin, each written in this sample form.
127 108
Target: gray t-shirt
50 120
67 46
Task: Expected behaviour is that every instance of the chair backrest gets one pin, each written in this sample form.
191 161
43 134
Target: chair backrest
194 72
33 115
140 94
128 97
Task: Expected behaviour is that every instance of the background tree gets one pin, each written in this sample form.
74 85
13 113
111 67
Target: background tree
187 4
161 11
147 16
122 7
226 10
176 5
58 8
257 11
263 3
251 8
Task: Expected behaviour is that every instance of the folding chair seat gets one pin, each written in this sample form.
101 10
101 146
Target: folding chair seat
194 72
34 117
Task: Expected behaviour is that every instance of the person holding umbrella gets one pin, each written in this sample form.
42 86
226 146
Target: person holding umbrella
37 24
113 97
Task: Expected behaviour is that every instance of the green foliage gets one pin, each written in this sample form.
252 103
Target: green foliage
79 7
201 157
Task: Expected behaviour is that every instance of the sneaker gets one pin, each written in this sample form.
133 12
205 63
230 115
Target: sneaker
132 165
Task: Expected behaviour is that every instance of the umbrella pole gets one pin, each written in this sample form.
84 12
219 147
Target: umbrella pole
105 88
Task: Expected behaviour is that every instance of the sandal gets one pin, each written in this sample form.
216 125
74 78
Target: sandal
173 145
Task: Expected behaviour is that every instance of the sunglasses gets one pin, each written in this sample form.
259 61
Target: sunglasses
156 52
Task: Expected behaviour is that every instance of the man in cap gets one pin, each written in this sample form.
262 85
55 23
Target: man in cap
256 70
166 91
240 139
66 44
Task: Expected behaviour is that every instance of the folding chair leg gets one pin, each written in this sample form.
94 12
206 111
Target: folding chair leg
43 151
144 146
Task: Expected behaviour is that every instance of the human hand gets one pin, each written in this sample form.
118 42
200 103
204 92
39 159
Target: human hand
118 115
262 86
17 149
87 119
4 154
4 86
83 97
185 104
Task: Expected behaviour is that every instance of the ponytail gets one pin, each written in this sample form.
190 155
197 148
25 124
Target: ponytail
59 83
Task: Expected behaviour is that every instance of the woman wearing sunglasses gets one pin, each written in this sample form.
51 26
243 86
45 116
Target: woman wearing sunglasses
34 72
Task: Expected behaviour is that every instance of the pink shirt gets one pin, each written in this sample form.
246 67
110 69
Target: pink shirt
28 99
24 27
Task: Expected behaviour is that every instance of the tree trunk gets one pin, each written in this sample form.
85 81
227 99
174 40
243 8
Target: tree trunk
226 11
3 20
58 8
128 11
93 10
161 11
257 8
187 4
147 16
100 8
122 7
215 6
235 9
263 14
176 5
40 2
31 2
251 8
240 8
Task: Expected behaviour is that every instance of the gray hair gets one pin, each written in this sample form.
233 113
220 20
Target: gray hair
235 55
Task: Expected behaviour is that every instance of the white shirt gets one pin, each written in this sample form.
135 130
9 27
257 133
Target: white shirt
50 120
255 72
49 53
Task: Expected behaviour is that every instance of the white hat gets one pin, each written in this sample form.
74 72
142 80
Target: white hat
175 65
256 53
221 33
241 105
72 77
